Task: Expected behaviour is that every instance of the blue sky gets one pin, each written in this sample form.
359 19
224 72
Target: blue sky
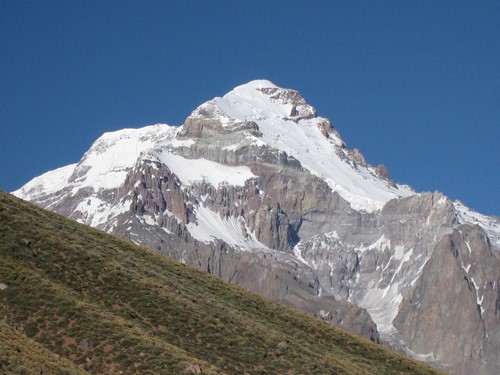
413 84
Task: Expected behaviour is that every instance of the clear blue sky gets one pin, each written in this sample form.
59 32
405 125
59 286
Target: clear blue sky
413 84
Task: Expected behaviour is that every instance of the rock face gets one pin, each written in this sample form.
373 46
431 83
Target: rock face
456 299
257 189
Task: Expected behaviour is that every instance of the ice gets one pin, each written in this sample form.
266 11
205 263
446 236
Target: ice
383 303
468 247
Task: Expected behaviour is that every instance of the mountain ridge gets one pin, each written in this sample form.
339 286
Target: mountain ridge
259 190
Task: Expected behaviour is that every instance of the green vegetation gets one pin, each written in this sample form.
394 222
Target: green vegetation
98 302
21 355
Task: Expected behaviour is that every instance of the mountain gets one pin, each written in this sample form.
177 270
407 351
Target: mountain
75 300
259 190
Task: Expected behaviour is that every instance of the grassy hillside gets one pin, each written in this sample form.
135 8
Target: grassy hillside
21 355
106 305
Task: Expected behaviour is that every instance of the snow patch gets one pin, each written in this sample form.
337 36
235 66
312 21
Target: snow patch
466 269
297 251
419 272
147 219
468 247
382 305
210 226
95 212
333 235
474 283
479 301
190 171
247 141
381 244
398 252
404 259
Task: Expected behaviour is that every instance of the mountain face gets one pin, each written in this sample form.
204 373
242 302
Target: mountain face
259 190
77 301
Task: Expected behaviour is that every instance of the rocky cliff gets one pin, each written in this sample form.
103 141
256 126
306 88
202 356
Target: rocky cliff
259 190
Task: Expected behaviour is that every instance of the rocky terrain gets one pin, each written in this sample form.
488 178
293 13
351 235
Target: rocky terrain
259 190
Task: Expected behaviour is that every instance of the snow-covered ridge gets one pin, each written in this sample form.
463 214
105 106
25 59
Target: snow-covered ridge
292 126
103 166
108 161
284 118
287 123
489 224
47 183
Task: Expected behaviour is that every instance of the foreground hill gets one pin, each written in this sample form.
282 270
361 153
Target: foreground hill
89 299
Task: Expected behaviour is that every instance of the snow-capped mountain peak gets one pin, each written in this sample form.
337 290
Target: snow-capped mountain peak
289 124
257 188
259 100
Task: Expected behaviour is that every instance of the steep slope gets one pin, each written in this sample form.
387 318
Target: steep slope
289 124
112 307
21 355
257 189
